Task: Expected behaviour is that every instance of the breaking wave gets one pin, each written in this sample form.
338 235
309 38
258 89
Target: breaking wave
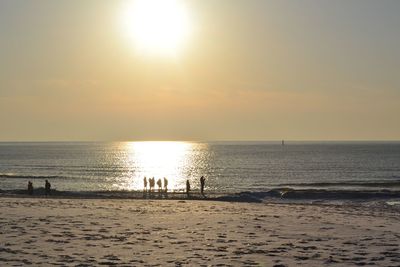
384 183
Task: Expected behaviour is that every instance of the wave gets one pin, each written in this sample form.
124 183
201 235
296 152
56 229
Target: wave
311 194
339 194
248 196
385 183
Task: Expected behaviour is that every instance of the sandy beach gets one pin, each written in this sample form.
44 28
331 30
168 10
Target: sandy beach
91 232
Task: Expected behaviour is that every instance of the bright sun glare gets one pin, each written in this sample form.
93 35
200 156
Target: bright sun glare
159 159
158 27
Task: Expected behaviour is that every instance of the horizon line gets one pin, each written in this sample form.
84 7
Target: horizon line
199 141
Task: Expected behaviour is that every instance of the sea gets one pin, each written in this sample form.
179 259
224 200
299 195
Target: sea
229 167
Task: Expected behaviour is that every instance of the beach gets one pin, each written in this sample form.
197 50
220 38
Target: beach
199 133
132 232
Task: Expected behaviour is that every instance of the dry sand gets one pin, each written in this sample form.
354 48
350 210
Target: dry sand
92 232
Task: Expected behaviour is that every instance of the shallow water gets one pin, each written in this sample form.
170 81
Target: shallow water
228 166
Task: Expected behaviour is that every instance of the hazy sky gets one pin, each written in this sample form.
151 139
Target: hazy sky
251 70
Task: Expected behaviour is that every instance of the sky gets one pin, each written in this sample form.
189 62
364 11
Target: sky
249 70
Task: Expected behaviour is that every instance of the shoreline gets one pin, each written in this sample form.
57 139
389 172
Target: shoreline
272 195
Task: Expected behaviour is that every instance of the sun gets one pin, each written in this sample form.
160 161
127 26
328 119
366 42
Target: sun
159 27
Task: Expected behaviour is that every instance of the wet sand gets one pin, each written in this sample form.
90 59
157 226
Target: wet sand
116 232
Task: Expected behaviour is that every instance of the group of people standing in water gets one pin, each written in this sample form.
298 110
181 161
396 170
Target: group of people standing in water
151 182
151 188
47 188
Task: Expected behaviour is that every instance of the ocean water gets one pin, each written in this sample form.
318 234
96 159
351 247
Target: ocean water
227 166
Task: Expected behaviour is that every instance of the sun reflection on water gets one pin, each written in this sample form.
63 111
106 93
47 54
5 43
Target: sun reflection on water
157 159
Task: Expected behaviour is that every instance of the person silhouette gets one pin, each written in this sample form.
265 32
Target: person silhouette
144 184
30 188
152 184
166 185
187 187
149 184
47 188
202 183
159 184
